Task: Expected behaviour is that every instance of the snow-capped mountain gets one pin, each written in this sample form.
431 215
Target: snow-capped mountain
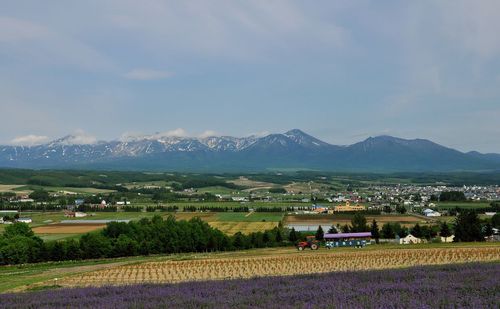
291 150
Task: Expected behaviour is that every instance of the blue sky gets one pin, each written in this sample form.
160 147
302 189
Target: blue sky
340 70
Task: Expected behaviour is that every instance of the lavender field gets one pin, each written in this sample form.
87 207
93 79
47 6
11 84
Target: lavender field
472 285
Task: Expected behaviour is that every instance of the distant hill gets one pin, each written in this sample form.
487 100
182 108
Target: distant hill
291 150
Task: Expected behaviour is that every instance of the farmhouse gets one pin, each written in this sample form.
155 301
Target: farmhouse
24 220
75 214
409 239
447 239
239 199
431 213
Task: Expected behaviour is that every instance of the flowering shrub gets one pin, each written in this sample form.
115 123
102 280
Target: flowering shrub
471 285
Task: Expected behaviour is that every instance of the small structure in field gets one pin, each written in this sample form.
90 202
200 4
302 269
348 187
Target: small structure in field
348 207
75 214
409 239
347 239
24 220
447 239
431 213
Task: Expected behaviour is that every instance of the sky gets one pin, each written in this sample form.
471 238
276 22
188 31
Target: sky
341 71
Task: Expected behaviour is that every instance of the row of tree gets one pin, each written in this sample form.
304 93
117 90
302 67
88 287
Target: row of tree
18 244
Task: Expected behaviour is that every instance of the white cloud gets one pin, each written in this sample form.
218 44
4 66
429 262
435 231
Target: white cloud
80 138
179 132
472 25
207 133
29 140
225 29
33 42
145 74
16 30
259 134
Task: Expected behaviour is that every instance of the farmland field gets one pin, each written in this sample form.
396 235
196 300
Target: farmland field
465 205
48 223
231 228
249 217
288 262
328 220
67 228
417 287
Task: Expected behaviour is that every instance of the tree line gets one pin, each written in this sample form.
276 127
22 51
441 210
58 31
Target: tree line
19 244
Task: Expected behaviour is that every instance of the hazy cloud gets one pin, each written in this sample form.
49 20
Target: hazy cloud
33 42
29 140
80 138
207 133
145 74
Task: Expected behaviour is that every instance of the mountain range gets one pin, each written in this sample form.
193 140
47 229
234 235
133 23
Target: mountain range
293 150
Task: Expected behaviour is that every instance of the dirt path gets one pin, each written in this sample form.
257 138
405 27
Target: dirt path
55 274
250 213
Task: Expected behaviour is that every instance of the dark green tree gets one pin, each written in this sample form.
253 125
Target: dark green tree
401 209
452 196
18 229
375 231
488 230
495 220
445 230
95 245
39 195
416 231
468 227
319 233
358 223
332 230
388 231
293 235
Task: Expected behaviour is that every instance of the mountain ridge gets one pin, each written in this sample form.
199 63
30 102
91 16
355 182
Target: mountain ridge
292 149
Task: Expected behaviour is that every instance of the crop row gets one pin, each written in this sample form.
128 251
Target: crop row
232 268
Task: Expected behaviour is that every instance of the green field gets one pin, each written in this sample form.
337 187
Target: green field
249 217
464 205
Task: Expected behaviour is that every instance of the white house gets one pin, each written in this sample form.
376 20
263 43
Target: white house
447 239
123 203
239 199
409 239
431 213
80 214
24 220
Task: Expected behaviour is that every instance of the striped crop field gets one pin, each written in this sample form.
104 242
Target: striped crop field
292 263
